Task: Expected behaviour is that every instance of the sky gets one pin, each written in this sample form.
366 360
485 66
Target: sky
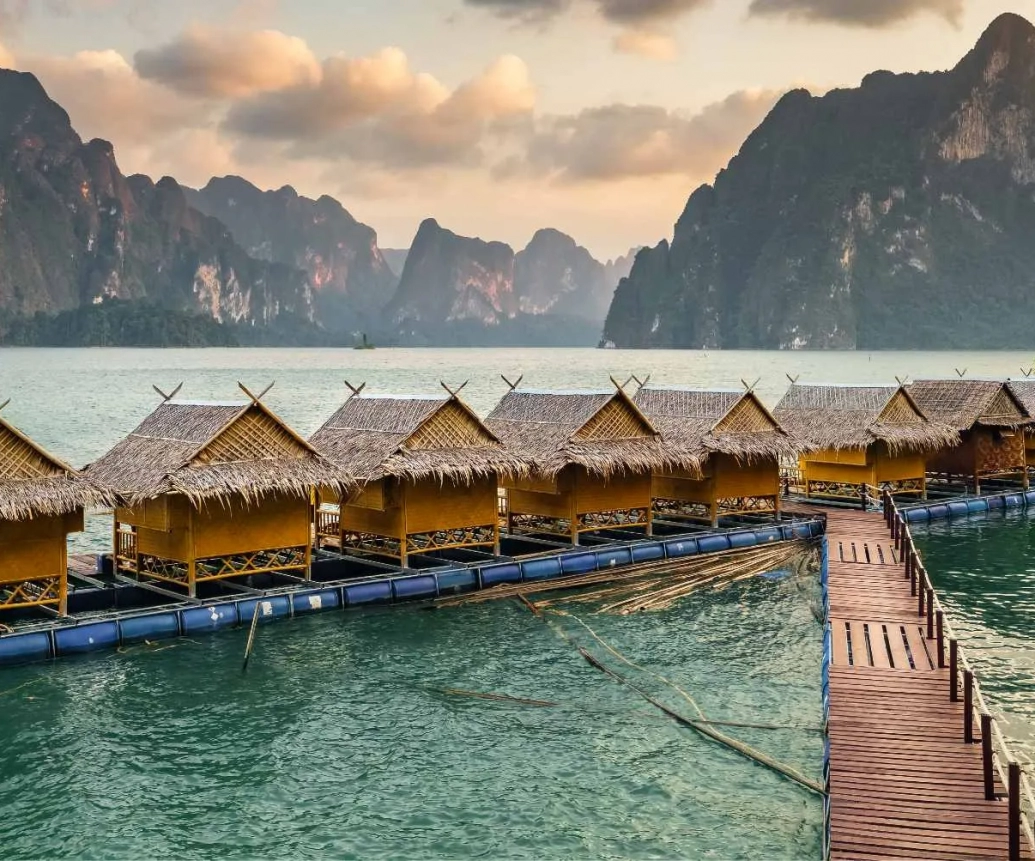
496 117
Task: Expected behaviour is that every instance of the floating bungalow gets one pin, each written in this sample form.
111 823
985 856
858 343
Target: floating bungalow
592 455
737 439
1024 391
858 440
42 501
429 470
990 419
213 490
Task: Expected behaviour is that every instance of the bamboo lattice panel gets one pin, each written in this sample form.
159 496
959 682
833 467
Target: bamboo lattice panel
19 460
1002 409
746 417
253 436
614 420
450 427
900 412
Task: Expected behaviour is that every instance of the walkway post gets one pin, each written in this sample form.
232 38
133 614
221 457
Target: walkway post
940 619
986 756
968 706
1014 813
930 613
954 688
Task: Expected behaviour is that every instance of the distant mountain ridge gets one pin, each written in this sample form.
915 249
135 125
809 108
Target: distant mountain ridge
457 287
895 215
74 231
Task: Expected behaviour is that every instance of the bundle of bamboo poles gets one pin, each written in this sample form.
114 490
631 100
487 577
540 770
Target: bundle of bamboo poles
652 586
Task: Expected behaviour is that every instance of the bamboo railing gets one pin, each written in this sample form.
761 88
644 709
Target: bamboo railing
998 760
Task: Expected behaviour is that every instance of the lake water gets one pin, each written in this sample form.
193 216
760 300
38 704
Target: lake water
340 742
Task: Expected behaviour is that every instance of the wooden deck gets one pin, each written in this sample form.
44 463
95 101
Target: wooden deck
903 783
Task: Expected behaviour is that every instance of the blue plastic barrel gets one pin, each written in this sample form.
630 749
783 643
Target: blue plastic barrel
1029 497
974 505
546 568
198 620
679 547
739 540
375 592
93 637
801 530
273 607
817 528
938 512
153 626
414 588
577 563
715 543
996 502
614 557
23 648
958 509
506 572
917 515
315 601
457 580
648 552
1014 500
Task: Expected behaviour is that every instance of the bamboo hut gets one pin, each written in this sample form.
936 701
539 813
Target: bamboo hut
990 420
213 490
592 455
739 442
429 470
860 439
42 501
1024 391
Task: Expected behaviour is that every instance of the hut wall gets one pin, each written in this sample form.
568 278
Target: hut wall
387 519
899 467
959 459
431 506
620 492
818 470
736 479
682 489
999 452
31 549
1029 447
163 527
544 497
373 495
270 523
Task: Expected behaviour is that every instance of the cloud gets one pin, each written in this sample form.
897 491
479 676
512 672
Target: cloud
643 43
858 13
376 109
626 12
106 98
618 142
210 63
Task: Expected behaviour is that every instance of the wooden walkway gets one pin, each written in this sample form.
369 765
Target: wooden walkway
903 783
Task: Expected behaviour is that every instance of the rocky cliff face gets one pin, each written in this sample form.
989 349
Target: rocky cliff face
74 231
450 279
350 279
898 214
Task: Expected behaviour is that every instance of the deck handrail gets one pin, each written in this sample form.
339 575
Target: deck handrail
999 758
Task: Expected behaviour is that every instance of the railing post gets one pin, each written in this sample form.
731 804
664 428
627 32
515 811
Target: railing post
921 593
913 577
930 613
1014 810
954 678
910 562
986 756
968 706
940 625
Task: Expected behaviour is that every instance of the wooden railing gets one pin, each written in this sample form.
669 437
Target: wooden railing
125 548
998 759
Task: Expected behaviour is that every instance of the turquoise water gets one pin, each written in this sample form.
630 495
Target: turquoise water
984 570
340 742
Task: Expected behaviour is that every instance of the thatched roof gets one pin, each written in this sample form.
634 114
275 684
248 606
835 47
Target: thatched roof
414 437
723 421
1024 391
964 404
34 483
855 417
602 431
214 451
